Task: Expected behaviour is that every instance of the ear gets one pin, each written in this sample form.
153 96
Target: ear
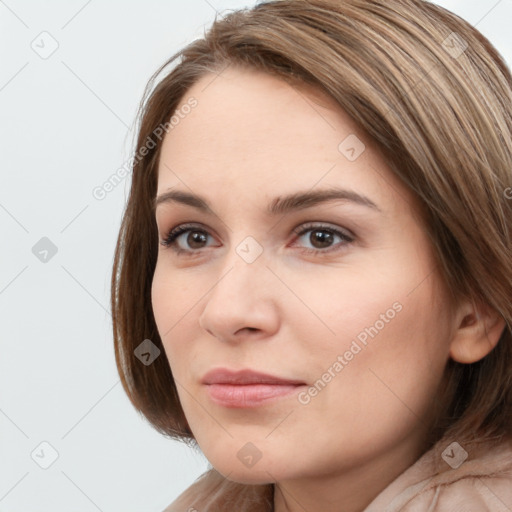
478 332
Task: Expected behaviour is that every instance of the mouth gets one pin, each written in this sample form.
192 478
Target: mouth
247 388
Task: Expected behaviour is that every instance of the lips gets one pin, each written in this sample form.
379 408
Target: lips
245 377
246 388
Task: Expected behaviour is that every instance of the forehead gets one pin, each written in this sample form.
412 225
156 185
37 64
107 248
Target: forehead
244 109
251 131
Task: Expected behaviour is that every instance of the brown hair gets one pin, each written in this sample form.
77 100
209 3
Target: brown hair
435 96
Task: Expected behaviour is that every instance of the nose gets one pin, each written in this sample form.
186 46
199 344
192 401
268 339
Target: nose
242 303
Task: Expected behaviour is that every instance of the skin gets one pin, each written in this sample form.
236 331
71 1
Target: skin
291 313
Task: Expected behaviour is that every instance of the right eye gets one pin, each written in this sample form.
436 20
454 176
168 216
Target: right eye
186 238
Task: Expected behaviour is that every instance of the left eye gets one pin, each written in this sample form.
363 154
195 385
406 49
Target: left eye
322 237
190 238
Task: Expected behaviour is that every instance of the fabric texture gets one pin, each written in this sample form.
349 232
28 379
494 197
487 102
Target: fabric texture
447 478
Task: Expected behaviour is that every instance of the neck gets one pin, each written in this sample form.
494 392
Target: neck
350 490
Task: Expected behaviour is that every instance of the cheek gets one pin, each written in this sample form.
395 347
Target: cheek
172 302
392 359
177 297
334 306
162 300
173 295
390 325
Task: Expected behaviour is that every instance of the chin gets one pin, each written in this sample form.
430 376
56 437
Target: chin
248 476
259 473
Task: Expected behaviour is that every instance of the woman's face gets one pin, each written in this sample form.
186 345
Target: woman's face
309 264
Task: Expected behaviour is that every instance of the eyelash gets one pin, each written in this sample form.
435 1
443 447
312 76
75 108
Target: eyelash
170 239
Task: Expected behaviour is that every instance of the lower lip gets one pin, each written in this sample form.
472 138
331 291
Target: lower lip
248 395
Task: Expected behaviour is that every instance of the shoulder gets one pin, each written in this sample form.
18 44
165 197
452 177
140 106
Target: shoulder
470 494
477 480
212 492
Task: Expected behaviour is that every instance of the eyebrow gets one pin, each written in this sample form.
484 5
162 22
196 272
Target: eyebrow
280 205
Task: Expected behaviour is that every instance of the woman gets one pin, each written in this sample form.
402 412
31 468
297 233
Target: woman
317 242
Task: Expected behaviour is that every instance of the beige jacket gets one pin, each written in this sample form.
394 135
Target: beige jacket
444 479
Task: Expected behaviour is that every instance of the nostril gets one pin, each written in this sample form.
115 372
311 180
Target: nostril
248 329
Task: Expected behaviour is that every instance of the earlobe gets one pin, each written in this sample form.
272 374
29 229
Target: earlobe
478 332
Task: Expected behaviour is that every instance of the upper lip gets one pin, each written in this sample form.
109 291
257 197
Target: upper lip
246 376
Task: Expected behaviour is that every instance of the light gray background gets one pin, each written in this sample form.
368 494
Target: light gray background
66 125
